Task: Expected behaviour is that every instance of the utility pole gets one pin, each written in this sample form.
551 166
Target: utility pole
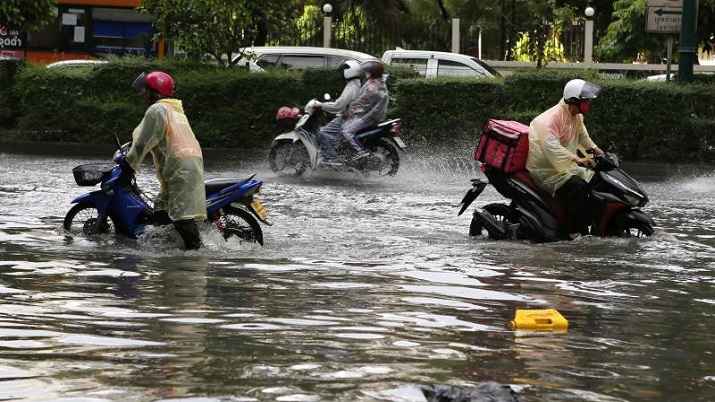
687 41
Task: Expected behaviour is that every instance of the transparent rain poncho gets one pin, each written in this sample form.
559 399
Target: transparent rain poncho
179 164
369 109
349 94
554 138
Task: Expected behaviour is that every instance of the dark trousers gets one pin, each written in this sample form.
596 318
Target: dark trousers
187 228
189 231
575 193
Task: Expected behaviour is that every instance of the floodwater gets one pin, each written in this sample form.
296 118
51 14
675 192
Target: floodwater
366 289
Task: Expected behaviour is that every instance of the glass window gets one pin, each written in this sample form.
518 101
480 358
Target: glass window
334 61
485 66
121 37
418 64
268 61
121 31
302 61
455 68
74 29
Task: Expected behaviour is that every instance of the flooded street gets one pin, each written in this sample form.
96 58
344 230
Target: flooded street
365 289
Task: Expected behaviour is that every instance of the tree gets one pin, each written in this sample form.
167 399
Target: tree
26 15
626 37
217 28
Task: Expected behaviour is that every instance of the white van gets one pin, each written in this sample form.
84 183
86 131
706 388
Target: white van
432 64
260 58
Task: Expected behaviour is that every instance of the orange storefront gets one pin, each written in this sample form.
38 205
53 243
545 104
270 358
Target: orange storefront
88 29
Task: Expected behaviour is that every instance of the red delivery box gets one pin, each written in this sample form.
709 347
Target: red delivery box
504 145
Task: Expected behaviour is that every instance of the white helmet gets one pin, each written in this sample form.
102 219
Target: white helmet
349 69
580 89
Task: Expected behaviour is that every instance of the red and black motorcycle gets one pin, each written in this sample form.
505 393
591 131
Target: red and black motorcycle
615 199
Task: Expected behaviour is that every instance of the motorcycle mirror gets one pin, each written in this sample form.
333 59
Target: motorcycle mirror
610 147
117 142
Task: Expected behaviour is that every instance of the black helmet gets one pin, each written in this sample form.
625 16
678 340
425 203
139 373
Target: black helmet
373 68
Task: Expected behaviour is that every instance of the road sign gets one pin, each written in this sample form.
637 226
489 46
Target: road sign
666 3
664 16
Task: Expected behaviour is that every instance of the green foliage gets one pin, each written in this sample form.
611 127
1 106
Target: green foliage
446 110
553 50
9 97
217 28
236 109
26 15
538 89
626 36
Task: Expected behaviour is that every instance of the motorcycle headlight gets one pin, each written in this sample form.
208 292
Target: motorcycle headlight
633 200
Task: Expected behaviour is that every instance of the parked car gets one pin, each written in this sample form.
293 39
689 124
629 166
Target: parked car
260 58
673 76
75 63
432 64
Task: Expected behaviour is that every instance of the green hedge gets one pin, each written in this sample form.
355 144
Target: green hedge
234 108
9 97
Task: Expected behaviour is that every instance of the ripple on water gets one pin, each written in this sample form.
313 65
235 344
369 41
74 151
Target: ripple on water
365 286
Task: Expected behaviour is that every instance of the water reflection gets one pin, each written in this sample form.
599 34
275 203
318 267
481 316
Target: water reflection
365 289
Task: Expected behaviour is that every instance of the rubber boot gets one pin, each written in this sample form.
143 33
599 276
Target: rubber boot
189 232
161 217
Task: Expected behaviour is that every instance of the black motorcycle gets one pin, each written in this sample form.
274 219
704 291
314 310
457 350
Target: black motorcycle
615 203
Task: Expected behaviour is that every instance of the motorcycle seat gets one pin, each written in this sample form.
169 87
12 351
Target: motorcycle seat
388 122
216 185
379 126
557 206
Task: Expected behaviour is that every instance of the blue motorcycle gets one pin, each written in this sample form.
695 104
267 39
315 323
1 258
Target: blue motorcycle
120 207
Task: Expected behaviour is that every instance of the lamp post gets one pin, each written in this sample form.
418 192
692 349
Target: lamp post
588 40
327 24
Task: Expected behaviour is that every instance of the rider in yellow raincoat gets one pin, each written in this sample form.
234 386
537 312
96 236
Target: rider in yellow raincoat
166 134
555 136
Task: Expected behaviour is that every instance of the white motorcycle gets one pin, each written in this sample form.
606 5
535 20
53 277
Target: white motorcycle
292 153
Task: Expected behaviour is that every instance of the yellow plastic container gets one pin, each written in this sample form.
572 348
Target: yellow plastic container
539 320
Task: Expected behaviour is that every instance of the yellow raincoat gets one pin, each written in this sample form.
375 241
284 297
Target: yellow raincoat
179 163
554 138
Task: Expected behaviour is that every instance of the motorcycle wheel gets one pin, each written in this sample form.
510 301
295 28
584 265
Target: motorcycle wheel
83 219
289 158
634 228
389 158
502 212
240 223
504 216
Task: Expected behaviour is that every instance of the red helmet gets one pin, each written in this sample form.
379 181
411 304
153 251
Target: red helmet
159 81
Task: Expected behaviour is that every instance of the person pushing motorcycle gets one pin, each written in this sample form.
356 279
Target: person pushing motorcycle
350 71
555 136
165 132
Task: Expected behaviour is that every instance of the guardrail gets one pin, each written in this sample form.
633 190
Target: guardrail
607 70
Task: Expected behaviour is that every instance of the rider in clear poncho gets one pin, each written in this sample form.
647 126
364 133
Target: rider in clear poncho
369 109
166 134
350 71
555 137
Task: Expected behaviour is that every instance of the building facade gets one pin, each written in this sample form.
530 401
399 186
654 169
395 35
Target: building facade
86 29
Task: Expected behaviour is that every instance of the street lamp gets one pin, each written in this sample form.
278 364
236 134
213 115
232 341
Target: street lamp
327 23
588 40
